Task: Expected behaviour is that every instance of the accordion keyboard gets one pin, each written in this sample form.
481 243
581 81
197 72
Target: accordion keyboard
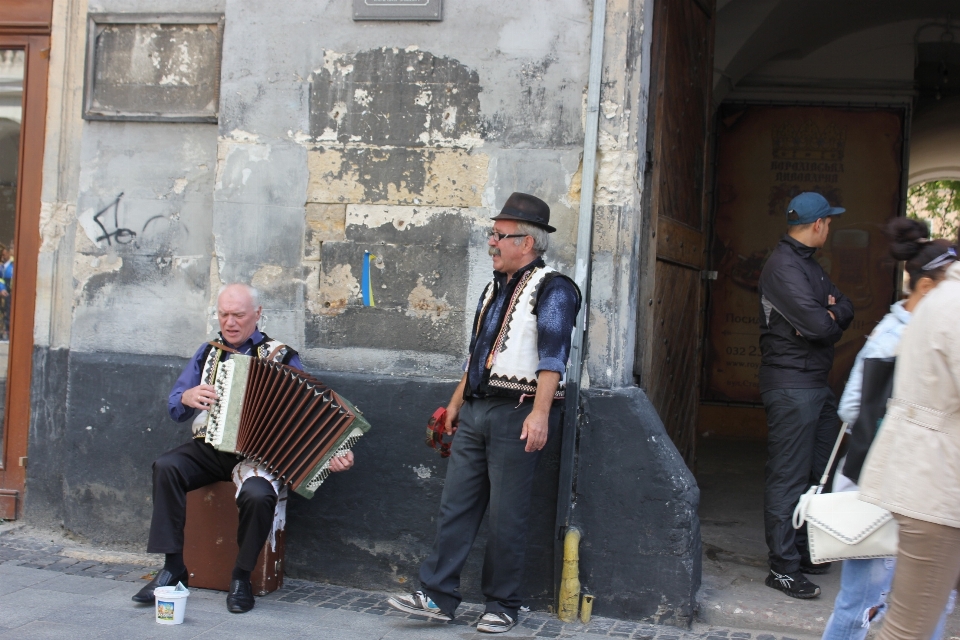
218 412
324 473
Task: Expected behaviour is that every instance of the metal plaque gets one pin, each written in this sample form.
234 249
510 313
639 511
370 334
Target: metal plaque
398 9
153 67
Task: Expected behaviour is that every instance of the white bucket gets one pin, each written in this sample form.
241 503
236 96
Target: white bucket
171 603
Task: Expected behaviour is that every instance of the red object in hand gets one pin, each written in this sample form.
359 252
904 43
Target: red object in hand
435 432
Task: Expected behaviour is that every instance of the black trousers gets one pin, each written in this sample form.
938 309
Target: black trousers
802 426
488 466
197 464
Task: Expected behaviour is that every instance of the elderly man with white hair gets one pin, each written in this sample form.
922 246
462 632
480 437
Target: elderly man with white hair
197 464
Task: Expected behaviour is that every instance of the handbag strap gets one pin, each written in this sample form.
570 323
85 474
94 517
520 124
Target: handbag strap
833 455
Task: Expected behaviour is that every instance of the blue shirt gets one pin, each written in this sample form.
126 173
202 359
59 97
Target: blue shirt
194 370
556 312
6 273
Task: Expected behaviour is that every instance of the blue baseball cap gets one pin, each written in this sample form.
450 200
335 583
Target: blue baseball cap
809 207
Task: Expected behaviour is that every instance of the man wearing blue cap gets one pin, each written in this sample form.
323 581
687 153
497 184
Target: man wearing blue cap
802 315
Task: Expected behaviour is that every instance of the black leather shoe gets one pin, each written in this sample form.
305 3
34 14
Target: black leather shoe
240 598
163 579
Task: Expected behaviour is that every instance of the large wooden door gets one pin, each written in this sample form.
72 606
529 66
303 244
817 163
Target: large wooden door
671 301
24 56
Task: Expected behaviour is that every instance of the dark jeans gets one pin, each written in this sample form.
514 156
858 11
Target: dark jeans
197 464
802 426
488 465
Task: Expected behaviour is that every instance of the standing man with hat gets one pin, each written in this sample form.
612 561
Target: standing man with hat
504 409
802 315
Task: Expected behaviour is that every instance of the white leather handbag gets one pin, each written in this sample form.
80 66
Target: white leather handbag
840 526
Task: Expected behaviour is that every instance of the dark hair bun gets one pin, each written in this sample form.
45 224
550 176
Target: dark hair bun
907 237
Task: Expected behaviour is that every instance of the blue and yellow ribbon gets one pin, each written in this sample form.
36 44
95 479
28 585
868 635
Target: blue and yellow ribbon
365 289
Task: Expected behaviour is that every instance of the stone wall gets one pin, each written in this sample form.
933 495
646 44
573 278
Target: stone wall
335 140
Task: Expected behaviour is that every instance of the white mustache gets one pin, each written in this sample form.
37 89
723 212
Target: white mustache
494 251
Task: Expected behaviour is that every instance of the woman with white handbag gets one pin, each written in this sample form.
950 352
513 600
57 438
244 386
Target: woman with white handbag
864 583
913 467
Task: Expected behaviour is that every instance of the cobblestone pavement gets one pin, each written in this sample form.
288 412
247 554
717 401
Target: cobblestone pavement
30 587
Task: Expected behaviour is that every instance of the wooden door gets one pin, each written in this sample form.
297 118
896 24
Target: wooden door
671 301
25 43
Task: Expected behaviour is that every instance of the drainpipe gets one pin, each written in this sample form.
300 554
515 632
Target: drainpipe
568 450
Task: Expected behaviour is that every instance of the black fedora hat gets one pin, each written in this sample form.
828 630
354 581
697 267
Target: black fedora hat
526 208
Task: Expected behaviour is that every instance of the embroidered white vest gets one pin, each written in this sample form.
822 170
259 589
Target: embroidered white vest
262 351
513 358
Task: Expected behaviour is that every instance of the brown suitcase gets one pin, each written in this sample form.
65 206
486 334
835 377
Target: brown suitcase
210 542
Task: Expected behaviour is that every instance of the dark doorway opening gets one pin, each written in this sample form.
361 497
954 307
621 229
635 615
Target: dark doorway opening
897 61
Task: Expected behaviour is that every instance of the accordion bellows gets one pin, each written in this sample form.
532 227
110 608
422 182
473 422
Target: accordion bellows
284 419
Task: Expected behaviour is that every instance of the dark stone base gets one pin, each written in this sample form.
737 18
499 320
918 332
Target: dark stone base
99 421
371 527
43 497
637 506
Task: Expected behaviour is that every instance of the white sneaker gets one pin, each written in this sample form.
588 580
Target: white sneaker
420 604
495 622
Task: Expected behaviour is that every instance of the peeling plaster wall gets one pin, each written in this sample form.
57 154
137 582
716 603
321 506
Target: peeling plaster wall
397 139
137 281
617 204
143 237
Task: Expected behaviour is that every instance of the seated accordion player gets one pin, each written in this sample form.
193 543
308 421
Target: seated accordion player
282 418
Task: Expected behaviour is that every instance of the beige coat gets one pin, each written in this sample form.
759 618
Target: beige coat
913 467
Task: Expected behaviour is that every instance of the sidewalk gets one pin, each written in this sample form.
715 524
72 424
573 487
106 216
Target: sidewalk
50 588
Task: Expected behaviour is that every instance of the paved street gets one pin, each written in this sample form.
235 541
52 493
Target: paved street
49 590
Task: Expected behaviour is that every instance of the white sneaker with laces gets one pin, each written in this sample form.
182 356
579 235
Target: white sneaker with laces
418 603
495 622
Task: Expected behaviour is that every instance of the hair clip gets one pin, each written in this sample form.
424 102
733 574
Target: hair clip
950 255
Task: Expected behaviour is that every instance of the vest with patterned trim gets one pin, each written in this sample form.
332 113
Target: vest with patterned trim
513 359
263 350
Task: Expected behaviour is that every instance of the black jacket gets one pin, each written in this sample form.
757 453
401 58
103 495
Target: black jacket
793 300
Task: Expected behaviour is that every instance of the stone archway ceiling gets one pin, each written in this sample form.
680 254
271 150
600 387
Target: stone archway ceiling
753 32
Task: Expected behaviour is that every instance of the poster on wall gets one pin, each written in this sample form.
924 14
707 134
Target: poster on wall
766 155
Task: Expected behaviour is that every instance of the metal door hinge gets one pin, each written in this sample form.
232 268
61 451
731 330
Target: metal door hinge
23 461
708 275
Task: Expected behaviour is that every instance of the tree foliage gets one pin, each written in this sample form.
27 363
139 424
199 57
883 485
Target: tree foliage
938 203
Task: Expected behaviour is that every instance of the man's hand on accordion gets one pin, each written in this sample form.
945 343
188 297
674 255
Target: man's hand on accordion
341 463
200 397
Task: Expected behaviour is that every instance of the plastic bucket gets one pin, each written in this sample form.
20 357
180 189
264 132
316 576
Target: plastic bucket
171 604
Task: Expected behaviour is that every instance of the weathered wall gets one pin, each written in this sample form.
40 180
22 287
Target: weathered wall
124 293
334 139
369 528
399 139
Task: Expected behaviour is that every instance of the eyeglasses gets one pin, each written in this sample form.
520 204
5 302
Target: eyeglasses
496 236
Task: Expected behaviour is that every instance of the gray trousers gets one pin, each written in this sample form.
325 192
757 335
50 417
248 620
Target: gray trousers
488 465
802 426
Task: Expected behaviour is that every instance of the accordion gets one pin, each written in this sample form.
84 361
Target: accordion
282 418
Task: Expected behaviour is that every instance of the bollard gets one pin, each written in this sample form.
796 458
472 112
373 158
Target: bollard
586 608
570 577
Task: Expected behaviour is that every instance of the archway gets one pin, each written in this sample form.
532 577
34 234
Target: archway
829 55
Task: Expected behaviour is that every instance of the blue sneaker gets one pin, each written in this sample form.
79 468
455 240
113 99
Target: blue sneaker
420 604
